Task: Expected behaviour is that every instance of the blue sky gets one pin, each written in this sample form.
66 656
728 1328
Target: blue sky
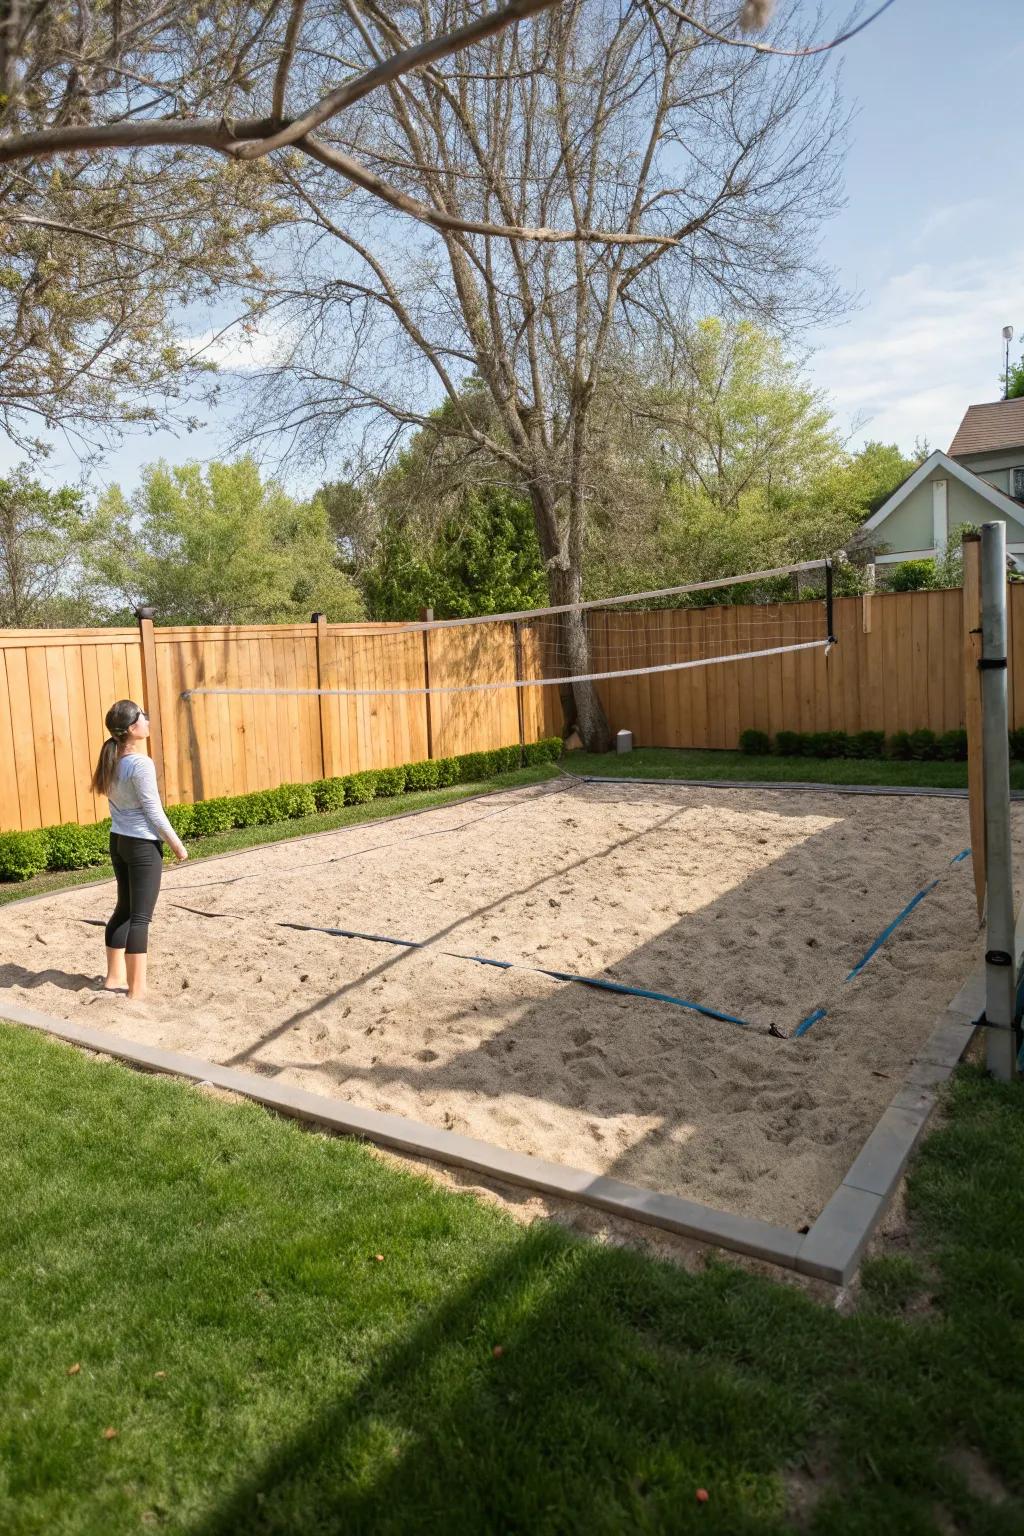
933 232
931 239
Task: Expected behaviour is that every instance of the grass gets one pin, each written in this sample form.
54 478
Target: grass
254 837
670 763
202 1278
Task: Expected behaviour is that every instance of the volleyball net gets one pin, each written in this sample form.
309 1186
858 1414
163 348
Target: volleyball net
667 630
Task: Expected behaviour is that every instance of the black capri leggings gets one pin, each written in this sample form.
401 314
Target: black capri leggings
138 864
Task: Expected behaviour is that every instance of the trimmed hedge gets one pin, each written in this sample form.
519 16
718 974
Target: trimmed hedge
360 788
212 816
390 781
423 775
904 746
22 855
70 846
329 794
755 743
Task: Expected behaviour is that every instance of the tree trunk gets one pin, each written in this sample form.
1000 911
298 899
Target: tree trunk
585 711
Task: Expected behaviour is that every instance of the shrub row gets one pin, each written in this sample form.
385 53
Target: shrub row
69 846
919 746
24 854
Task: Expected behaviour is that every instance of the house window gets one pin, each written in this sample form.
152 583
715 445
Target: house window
1017 482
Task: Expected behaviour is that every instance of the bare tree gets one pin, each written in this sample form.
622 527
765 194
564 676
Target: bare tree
97 249
595 117
97 252
580 177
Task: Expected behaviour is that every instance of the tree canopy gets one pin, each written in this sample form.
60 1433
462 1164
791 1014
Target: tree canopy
224 547
46 539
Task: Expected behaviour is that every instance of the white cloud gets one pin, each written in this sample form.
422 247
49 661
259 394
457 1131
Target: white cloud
950 216
237 349
926 346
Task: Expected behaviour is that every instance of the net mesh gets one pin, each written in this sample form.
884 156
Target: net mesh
664 631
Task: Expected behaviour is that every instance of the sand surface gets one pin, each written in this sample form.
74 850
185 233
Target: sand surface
754 903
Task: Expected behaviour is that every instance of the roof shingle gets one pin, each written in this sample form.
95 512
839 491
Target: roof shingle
990 428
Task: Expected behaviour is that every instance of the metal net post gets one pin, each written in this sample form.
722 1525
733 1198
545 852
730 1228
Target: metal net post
1003 1034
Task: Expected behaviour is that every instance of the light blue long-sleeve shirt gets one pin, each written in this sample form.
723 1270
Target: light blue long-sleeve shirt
135 806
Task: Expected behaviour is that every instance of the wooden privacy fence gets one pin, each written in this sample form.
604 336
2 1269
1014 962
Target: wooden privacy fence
898 666
56 686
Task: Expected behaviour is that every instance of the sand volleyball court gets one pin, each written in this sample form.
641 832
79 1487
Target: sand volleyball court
752 904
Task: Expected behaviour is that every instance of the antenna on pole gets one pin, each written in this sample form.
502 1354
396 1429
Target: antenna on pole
1007 338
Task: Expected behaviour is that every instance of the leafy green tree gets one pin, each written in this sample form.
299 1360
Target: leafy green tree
859 483
739 468
226 547
744 420
1014 381
484 558
45 540
441 529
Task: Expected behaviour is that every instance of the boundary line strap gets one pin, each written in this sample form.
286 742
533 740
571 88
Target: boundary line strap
510 965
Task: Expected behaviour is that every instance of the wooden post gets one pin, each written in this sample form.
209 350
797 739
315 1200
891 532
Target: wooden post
865 608
321 645
426 617
517 643
151 691
972 710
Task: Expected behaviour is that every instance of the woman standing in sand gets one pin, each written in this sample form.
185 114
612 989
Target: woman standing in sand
126 775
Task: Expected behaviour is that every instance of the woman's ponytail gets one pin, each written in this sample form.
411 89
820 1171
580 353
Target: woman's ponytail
120 719
104 775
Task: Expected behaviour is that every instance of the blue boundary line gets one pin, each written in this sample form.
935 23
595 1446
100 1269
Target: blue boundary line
510 965
601 984
872 950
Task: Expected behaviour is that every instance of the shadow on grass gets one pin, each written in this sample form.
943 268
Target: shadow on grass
213 1270
621 1388
550 1393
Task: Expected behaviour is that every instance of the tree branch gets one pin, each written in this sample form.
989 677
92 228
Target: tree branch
391 69
784 53
449 223
287 55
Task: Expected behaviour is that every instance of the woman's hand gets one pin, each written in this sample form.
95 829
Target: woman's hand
181 853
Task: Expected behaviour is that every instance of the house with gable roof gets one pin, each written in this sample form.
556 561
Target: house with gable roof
980 479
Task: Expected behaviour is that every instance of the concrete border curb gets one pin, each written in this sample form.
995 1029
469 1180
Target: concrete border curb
830 1250
794 784
833 1247
744 1234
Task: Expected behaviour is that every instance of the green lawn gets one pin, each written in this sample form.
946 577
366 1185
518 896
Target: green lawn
327 821
669 763
210 1274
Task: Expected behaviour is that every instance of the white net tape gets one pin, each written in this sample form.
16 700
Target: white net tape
540 648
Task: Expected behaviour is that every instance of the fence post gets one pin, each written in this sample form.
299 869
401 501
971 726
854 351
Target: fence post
517 643
972 710
151 690
426 617
321 640
1002 1041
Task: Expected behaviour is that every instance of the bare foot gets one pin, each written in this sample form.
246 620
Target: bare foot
114 986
